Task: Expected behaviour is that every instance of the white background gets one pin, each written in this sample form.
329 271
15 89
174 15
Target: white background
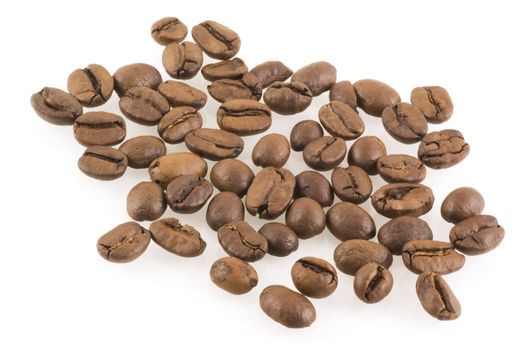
56 292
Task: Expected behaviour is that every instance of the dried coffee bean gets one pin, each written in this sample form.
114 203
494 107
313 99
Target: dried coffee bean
239 239
340 120
372 283
281 239
436 297
314 185
143 105
325 153
401 230
401 168
188 193
287 307
232 175
288 98
404 122
431 256
142 150
244 117
214 144
228 69
443 149
179 122
180 94
91 86
270 72
56 106
182 240
351 255
146 201
477 235
124 243
234 275
225 207
136 74
303 133
246 87
216 40
182 61
366 152
168 30
351 184
318 76
400 199
271 150
434 102
99 128
166 168
305 217
314 277
462 203
374 96
103 163
343 91
348 221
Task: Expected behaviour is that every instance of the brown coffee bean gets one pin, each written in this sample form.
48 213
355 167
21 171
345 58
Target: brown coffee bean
232 175
91 86
288 98
246 87
434 102
142 150
401 230
225 207
343 91
287 307
443 149
404 122
239 239
234 275
318 76
477 235
180 94
348 221
366 152
143 105
179 122
372 283
168 30
314 277
99 128
270 72
314 185
166 168
103 163
305 217
56 106
124 243
229 69
400 199
271 150
436 297
214 144
431 256
136 74
351 184
216 40
462 203
281 239
325 153
351 255
340 120
303 133
146 201
244 117
374 96
401 168
182 240
182 61
188 193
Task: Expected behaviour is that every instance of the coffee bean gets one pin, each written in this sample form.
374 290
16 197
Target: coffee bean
99 128
234 275
314 277
146 201
270 72
314 185
372 283
166 168
91 86
179 122
182 61
214 144
287 307
348 221
216 40
305 217
270 192
318 76
351 255
232 175
366 152
401 168
288 98
462 203
244 117
56 106
351 184
182 240
143 105
229 69
281 239
239 239
343 91
404 122
168 30
434 102
136 74
401 230
142 150
443 149
180 94
436 297
303 133
271 150
124 243
103 163
325 153
374 96
225 207
400 199
340 120
188 193
477 235
431 256
246 87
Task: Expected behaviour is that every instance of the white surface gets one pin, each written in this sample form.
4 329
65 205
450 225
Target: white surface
58 293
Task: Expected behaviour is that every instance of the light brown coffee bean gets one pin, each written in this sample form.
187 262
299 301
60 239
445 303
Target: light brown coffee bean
143 105
182 61
340 120
181 94
228 69
167 168
182 240
124 243
142 150
103 163
146 201
270 72
179 122
434 102
214 144
99 129
343 91
168 30
244 117
287 307
436 297
271 150
372 283
234 275
56 106
136 74
91 86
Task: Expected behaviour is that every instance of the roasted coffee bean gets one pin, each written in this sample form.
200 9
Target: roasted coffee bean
351 184
179 122
374 96
56 106
239 239
436 297
180 94
216 40
124 243
167 168
168 30
99 128
246 87
270 72
103 163
288 98
314 185
244 117
325 153
270 192
434 102
182 240
136 74
443 149
146 201
281 239
351 255
340 120
271 150
214 144
404 122
287 307
91 86
343 91
225 207
188 193
372 283
305 217
143 105
401 230
182 61
234 275
348 221
314 277
303 133
400 199
232 175
477 235
401 168
365 153
142 150
462 203
431 256
318 76
229 69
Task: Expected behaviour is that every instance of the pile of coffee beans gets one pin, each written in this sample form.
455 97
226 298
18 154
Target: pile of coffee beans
178 180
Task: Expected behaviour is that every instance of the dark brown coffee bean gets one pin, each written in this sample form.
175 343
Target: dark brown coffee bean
182 61
318 76
271 150
232 175
270 192
270 72
182 240
401 168
372 283
462 203
434 102
436 297
124 243
179 122
343 91
214 144
167 168
303 133
180 94
229 69
99 128
348 221
168 30
287 307
314 277
340 120
351 255
477 235
91 86
400 199
315 186
146 201
246 87
288 98
305 217
404 122
244 116
325 153
143 105
136 74
142 150
103 163
401 230
225 207
365 153
216 40
351 184
443 149
374 96
431 256
188 193
281 239
56 106
234 275
239 239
